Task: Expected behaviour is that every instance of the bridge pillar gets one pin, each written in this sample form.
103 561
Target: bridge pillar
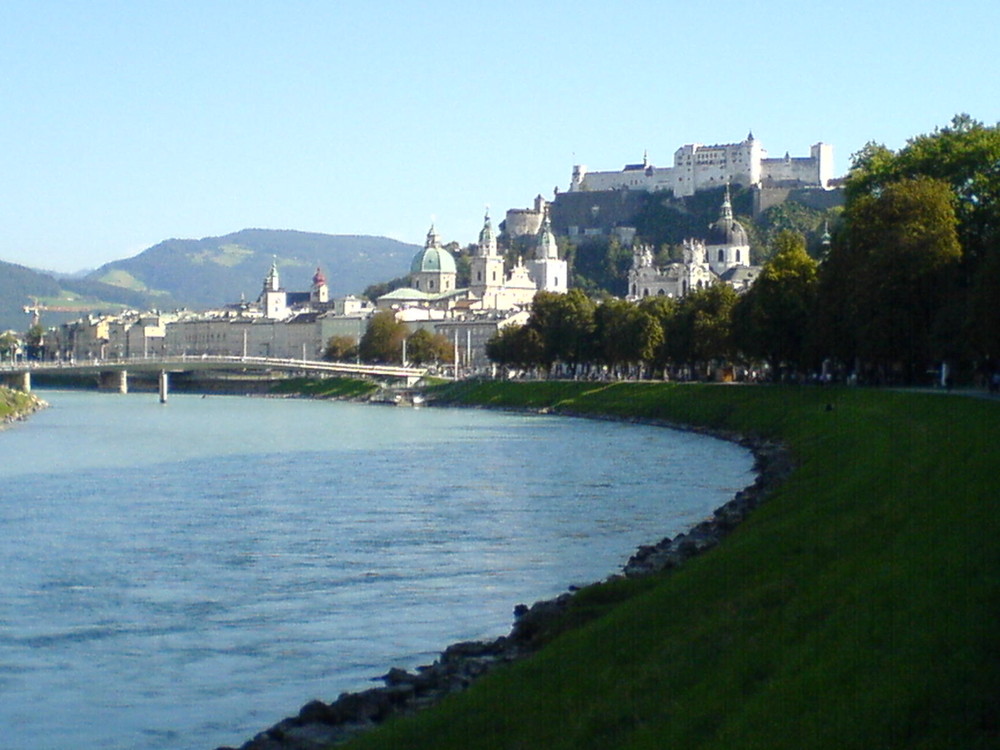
19 380
114 380
164 386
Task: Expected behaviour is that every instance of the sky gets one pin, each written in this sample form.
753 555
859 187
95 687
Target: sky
127 123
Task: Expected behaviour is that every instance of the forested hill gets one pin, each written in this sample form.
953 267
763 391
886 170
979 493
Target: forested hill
64 299
216 270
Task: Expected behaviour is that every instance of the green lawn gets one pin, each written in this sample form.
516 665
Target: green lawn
344 388
858 608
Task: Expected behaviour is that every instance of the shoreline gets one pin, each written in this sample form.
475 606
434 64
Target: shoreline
21 414
319 724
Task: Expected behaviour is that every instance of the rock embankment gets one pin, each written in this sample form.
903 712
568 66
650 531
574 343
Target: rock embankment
319 725
21 407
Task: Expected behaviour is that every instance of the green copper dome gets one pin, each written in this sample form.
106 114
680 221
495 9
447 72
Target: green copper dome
433 258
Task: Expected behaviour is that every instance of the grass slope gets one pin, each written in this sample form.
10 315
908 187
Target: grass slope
14 403
858 608
336 388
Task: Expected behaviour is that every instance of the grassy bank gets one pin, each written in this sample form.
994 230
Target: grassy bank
14 403
858 608
343 388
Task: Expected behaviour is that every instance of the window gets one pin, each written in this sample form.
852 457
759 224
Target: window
737 256
722 255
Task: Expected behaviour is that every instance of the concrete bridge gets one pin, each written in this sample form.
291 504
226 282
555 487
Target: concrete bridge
114 372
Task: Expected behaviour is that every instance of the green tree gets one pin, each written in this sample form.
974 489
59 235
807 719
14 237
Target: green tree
900 256
516 346
34 341
664 311
700 333
626 334
966 156
565 325
383 339
9 343
340 349
424 347
772 320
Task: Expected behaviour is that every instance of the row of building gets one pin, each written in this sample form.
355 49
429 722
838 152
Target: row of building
298 324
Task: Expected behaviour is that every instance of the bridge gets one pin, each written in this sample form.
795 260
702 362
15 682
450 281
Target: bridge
115 371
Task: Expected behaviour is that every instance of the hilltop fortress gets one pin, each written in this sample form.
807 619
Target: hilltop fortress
697 167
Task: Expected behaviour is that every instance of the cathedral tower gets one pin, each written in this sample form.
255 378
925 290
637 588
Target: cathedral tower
486 265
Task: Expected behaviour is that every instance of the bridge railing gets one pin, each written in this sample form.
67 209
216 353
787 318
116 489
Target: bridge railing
206 361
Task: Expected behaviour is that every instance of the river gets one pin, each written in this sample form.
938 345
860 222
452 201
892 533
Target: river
183 575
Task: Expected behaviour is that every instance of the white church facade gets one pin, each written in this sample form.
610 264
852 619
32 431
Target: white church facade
491 286
721 257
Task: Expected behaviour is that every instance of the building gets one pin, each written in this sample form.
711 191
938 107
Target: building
698 167
433 274
722 257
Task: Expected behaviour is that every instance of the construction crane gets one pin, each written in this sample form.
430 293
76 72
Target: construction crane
35 311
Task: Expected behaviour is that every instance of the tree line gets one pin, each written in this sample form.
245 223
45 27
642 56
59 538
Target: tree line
910 280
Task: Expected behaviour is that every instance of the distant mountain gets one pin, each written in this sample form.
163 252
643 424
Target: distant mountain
61 300
216 270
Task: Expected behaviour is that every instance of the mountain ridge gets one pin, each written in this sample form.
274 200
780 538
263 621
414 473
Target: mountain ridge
202 273
213 270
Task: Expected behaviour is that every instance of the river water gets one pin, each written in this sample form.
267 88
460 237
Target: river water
183 575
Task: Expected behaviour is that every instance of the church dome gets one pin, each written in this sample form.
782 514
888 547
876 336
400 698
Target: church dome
433 258
727 231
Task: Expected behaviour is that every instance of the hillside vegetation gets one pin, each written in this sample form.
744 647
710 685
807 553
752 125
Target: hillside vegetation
856 608
215 270
20 286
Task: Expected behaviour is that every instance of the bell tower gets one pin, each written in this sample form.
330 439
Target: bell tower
486 266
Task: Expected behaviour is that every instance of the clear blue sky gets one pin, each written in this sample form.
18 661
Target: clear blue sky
125 123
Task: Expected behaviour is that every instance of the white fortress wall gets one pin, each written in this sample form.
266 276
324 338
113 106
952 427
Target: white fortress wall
698 167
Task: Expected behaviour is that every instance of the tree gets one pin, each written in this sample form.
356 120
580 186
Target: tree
701 331
9 344
34 341
423 347
340 349
772 320
565 325
900 254
383 339
626 333
664 311
516 346
966 156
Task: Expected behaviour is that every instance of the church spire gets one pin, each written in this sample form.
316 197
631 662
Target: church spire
433 240
487 240
271 282
547 248
727 207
